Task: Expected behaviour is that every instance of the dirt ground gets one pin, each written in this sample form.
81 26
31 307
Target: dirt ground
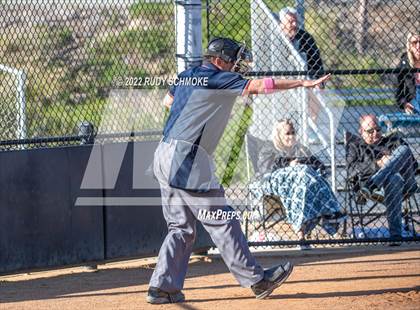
376 277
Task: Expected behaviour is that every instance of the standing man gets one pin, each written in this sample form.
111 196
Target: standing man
377 161
305 45
302 41
200 105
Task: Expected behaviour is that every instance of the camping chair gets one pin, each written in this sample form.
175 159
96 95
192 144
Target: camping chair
365 210
270 209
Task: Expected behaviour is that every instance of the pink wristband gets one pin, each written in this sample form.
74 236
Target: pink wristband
268 85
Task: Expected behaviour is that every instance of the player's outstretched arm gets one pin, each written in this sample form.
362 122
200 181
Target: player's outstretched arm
268 85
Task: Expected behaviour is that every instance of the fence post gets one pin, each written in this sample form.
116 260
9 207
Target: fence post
188 34
20 77
300 8
361 27
21 103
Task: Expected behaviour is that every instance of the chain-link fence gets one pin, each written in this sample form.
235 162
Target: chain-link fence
362 44
73 53
73 70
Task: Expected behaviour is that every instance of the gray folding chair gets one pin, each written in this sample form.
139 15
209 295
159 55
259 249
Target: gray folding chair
270 208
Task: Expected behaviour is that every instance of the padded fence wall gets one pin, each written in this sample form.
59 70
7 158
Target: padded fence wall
40 226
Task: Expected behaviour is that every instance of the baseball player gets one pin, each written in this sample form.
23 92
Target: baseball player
200 104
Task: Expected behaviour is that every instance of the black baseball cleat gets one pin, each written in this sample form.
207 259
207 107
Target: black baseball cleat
273 278
157 297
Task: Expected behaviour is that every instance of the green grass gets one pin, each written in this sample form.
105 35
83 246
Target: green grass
60 119
378 102
231 18
277 5
151 10
230 153
61 92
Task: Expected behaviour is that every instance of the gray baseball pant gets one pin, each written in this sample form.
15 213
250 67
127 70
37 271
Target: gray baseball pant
180 210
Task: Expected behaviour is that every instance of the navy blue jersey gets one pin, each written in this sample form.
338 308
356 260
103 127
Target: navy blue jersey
203 100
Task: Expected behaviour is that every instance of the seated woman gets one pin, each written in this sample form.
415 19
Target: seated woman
290 172
408 90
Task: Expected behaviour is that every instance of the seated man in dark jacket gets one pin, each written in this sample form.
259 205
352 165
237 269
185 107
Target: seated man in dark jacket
375 161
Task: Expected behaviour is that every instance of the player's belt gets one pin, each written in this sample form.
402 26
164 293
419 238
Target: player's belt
166 139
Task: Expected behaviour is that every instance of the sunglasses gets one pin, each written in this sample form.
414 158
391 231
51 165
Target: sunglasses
415 42
372 130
